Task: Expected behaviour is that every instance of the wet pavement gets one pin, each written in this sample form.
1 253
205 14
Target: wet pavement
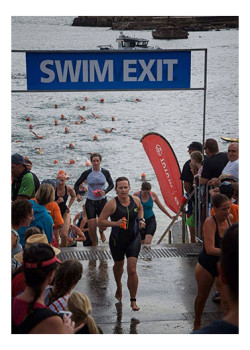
166 291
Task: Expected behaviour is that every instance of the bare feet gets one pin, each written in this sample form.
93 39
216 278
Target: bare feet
134 305
118 293
197 326
103 237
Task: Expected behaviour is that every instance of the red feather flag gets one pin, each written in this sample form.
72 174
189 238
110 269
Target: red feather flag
166 167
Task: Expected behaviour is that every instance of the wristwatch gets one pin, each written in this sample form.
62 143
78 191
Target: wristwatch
142 219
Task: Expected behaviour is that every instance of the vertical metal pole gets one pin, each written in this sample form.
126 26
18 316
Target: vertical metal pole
205 98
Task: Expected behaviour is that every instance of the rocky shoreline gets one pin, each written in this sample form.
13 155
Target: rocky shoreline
185 24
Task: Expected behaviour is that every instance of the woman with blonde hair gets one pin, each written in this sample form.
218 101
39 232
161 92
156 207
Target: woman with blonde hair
197 161
80 306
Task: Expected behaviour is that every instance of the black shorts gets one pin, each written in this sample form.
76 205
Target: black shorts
94 208
131 249
149 229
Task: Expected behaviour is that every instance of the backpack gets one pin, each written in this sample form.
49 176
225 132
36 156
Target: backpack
35 317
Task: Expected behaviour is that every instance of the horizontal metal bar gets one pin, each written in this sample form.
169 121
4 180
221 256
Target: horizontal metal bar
186 89
102 51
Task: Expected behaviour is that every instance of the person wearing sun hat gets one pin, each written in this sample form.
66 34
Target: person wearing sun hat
18 284
36 238
29 313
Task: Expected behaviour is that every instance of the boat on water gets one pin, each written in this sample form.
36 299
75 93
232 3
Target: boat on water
230 139
127 43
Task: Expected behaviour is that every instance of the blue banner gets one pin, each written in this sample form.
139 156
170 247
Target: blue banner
109 70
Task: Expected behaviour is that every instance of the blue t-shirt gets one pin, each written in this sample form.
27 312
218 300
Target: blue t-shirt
42 220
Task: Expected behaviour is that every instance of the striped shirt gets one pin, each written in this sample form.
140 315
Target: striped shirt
59 304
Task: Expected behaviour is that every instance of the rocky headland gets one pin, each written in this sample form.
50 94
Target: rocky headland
163 26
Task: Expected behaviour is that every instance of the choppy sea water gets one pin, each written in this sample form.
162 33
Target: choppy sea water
177 115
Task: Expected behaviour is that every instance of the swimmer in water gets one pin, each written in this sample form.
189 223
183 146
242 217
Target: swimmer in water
37 136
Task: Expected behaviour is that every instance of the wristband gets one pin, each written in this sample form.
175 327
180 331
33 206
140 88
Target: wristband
142 219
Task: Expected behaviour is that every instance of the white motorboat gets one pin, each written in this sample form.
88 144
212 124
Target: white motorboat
127 43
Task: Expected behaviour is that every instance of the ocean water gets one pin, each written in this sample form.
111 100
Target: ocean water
177 115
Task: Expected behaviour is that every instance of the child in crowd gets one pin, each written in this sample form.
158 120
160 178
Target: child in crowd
67 275
80 306
81 221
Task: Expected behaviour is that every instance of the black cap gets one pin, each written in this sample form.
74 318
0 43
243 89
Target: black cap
17 159
225 177
227 188
197 146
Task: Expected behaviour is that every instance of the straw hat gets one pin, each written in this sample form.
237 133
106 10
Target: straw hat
36 238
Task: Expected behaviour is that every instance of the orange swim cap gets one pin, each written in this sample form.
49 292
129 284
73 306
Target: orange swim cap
61 173
143 175
27 119
55 161
72 161
95 137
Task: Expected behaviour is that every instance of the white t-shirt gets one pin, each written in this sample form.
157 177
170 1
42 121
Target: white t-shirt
232 168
